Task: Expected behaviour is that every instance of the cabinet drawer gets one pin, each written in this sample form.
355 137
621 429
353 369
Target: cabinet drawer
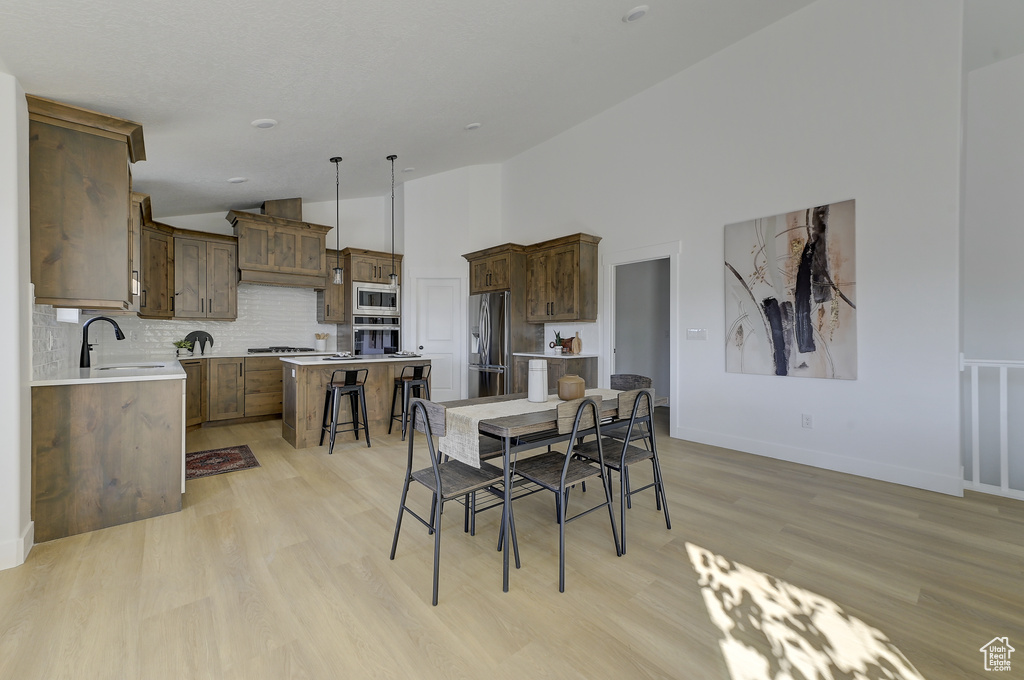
263 404
263 364
258 382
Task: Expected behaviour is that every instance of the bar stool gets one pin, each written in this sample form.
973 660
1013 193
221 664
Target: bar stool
350 383
411 381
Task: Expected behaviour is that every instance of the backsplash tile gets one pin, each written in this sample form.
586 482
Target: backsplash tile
267 315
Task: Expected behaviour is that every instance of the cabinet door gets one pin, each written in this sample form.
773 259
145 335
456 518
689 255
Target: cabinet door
537 300
226 383
364 268
556 369
189 278
562 279
79 203
135 254
221 281
194 392
255 242
331 303
498 273
478 271
297 252
262 386
157 275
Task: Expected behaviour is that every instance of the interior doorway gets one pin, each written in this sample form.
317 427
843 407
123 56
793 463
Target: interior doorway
643 329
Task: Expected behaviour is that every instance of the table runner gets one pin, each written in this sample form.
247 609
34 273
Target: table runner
462 423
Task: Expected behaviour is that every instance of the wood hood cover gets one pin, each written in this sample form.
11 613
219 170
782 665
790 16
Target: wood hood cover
279 251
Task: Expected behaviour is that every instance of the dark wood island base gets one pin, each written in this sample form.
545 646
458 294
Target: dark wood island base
305 384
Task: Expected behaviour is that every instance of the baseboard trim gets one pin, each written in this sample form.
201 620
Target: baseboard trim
14 553
918 479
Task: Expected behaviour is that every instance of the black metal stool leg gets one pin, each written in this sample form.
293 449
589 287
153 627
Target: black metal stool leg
366 423
326 422
394 399
405 406
353 399
335 402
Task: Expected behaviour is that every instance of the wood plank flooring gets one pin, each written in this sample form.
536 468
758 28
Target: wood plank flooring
283 572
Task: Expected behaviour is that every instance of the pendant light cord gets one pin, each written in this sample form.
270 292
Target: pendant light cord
337 216
394 274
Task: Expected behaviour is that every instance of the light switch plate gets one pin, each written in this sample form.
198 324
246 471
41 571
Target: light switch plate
696 333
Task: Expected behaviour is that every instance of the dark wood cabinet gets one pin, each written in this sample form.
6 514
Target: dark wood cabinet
370 266
157 273
330 302
195 391
494 269
584 367
262 386
205 277
225 382
80 206
279 251
562 280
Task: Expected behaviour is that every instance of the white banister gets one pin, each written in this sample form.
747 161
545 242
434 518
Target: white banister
1003 487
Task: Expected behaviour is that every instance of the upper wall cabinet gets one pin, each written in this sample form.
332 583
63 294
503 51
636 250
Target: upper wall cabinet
81 206
205 276
496 269
561 279
279 251
157 269
371 266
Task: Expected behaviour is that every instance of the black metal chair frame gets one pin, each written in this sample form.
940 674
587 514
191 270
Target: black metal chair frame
469 479
409 384
352 385
570 474
631 454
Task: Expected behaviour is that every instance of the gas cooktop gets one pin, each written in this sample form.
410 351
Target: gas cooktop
276 349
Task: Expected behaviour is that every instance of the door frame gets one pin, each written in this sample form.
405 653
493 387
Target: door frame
609 261
410 322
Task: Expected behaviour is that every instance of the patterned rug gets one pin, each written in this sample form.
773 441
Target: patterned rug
216 461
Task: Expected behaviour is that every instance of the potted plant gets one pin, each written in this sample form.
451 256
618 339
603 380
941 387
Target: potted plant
184 348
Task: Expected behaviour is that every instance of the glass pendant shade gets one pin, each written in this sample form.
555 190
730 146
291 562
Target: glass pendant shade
338 274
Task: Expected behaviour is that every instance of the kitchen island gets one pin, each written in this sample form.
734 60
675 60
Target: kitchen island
305 381
108 446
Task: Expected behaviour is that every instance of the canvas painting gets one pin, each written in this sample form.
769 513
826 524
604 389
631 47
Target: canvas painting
790 294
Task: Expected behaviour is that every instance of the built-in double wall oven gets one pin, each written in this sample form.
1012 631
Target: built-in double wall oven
376 334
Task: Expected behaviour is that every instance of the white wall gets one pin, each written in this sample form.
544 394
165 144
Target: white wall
993 230
840 100
15 397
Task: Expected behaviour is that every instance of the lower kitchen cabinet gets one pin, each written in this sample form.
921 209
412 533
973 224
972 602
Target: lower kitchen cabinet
585 367
195 391
262 386
226 388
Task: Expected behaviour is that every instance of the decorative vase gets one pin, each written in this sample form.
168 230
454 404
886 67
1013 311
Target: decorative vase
571 387
321 345
577 343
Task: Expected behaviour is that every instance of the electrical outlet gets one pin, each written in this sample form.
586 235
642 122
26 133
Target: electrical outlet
806 421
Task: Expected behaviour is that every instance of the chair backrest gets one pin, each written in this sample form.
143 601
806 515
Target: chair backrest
627 400
573 416
420 372
431 420
630 381
353 376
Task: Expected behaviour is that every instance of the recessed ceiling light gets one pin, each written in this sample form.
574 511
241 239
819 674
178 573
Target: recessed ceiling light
408 169
238 180
264 123
635 14
473 126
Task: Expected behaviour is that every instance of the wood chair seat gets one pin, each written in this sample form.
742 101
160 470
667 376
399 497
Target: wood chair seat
546 470
459 479
613 452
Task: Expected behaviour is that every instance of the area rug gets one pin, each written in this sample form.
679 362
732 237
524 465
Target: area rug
216 461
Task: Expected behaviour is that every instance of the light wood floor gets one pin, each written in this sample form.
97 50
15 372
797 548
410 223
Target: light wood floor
283 572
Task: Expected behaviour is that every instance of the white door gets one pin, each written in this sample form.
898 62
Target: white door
439 332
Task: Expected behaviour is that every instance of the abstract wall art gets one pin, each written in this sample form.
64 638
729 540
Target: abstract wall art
790 303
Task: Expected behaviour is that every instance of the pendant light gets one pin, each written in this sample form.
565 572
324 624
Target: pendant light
394 274
338 271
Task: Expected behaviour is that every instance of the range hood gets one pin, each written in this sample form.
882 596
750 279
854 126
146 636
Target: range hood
279 250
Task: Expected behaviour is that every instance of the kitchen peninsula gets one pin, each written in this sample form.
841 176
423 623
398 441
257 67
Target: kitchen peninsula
305 381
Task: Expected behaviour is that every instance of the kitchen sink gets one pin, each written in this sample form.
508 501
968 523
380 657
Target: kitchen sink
134 367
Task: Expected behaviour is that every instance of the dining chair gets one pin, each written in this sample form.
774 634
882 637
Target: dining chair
638 406
558 472
627 382
449 480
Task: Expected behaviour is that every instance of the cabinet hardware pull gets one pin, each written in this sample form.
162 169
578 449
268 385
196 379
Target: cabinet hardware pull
210 305
202 305
239 369
143 302
328 310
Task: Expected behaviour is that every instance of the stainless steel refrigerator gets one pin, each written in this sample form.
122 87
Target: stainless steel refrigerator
490 358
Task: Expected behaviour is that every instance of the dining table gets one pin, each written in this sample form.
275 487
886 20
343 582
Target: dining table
521 425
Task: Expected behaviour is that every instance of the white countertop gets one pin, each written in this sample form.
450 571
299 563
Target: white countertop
307 360
552 355
122 371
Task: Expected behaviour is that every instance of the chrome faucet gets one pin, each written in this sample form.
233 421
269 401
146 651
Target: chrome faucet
84 362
